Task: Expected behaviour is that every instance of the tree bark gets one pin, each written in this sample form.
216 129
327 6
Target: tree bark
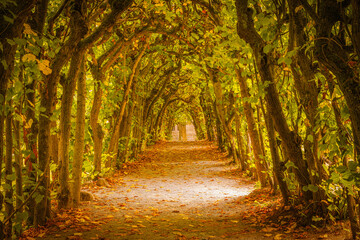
36 22
196 116
48 92
332 53
21 10
79 135
18 166
278 171
69 85
221 111
252 130
97 132
9 205
243 158
292 141
182 132
116 131
308 92
207 110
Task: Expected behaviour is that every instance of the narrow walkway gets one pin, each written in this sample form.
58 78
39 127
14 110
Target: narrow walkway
184 192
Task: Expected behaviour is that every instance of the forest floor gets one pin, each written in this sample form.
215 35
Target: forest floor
180 190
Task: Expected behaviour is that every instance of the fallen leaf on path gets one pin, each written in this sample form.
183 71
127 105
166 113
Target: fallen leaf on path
268 229
178 234
278 237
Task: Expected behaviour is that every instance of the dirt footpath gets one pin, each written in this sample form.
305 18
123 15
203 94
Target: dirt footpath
185 191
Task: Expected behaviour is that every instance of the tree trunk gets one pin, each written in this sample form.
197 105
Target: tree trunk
36 23
308 92
116 130
128 127
48 92
182 132
219 133
221 111
79 135
19 10
31 134
207 108
278 171
97 132
252 130
344 137
9 206
137 133
69 85
167 102
197 117
291 140
18 165
331 54
243 158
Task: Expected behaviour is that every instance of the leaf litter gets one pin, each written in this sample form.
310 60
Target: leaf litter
178 190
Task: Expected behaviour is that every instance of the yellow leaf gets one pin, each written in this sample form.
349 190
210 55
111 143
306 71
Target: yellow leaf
178 233
278 237
29 57
28 30
268 229
29 123
44 67
298 8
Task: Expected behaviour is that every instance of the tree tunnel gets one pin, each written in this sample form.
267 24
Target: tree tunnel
86 86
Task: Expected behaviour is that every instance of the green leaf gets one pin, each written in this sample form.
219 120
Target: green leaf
42 109
11 42
268 48
39 198
4 64
290 164
352 165
51 54
287 61
341 169
6 186
20 41
310 138
313 188
21 216
11 177
8 19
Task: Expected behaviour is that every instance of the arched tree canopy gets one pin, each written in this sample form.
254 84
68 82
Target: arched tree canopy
87 85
